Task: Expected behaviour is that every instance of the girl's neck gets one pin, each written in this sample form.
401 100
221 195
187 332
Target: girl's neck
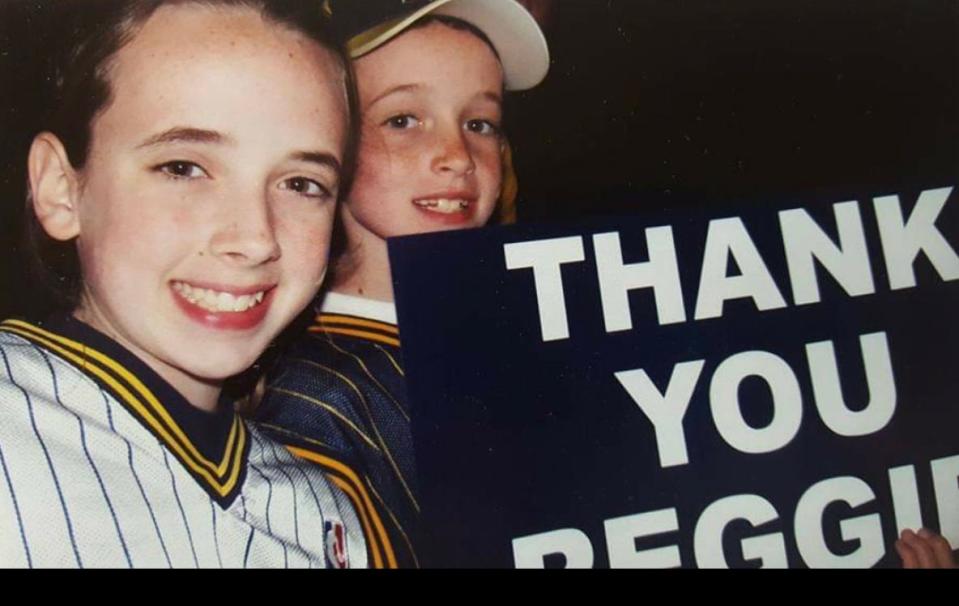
364 271
201 393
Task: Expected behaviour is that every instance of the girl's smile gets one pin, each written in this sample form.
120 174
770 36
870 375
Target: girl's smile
450 208
204 211
224 307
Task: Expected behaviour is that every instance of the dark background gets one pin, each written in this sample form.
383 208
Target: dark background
659 102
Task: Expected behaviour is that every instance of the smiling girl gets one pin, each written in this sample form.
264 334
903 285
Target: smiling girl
430 77
192 169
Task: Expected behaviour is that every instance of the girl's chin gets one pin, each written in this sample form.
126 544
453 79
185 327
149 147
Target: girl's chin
214 368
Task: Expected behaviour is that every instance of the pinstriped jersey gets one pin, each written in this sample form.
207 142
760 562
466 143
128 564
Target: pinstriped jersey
103 464
339 396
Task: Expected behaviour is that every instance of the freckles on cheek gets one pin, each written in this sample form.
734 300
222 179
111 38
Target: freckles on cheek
490 159
369 170
377 158
308 247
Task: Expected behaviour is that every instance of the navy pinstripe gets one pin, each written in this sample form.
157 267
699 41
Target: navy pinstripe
66 400
269 499
249 541
13 494
53 472
136 479
309 483
179 504
296 517
86 452
16 509
216 541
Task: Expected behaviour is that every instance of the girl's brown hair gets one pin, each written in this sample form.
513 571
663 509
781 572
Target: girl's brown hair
81 89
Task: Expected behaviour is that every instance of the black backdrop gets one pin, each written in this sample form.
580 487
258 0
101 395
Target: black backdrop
660 102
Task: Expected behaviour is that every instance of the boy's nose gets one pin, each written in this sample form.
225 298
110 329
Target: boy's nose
247 235
453 154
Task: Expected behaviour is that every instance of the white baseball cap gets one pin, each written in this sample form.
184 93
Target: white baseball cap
365 25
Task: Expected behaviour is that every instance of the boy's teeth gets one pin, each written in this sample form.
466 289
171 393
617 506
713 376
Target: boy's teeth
443 205
216 301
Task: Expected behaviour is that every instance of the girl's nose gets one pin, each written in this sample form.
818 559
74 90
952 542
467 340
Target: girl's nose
247 235
453 155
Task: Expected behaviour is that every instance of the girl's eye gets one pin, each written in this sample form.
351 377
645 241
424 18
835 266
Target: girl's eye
482 127
402 121
306 187
181 169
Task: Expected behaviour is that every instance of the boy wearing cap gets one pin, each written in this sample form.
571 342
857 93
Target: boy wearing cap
430 77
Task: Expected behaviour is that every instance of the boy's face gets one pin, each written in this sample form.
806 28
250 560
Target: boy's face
208 197
429 160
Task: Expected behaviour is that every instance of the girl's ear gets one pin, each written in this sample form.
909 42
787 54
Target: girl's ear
54 187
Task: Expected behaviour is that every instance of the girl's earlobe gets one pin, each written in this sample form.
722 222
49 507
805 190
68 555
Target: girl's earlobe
54 187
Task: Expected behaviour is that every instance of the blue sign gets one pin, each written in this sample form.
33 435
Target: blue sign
736 386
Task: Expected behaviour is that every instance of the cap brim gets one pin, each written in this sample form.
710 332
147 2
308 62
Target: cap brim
514 33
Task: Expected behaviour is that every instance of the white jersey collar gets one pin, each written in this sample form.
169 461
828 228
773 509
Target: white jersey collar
338 303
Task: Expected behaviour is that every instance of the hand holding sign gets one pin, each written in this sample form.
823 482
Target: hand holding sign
924 549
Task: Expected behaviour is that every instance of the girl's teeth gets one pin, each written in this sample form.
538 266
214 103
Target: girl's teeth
215 301
443 205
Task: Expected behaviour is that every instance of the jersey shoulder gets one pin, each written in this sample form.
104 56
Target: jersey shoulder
337 391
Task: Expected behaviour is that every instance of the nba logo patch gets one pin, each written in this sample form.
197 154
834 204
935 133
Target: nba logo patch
335 544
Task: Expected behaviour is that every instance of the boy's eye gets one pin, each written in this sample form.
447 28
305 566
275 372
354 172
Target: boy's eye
181 169
402 121
306 187
482 127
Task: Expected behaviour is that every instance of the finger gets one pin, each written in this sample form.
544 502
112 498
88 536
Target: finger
922 549
941 550
907 555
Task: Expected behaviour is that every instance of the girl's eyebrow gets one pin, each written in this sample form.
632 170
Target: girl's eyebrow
320 158
199 135
181 134
402 88
412 88
491 96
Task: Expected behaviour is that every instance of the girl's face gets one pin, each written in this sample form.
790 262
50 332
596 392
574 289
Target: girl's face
206 204
429 159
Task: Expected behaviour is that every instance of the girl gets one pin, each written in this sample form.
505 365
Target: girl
430 77
193 168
